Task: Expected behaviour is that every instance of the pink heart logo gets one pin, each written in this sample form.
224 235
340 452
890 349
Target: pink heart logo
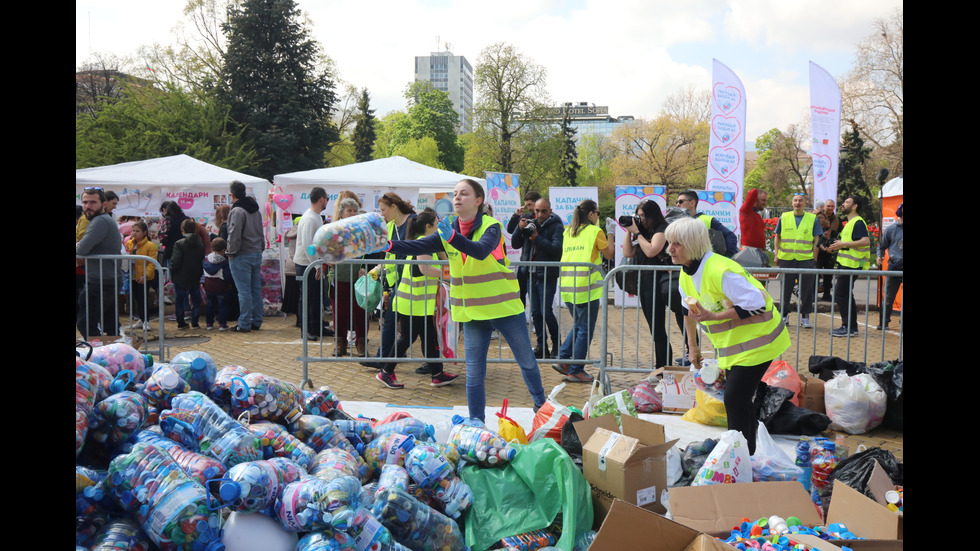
283 200
726 129
727 98
185 203
494 194
821 166
724 161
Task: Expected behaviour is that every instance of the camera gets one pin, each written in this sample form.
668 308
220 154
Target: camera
627 221
529 229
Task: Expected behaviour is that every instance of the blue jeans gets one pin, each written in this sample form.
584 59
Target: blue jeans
217 303
576 345
180 300
542 298
476 342
246 271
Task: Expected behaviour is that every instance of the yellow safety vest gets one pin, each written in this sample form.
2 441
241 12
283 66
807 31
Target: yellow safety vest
854 257
796 243
579 284
391 270
482 289
416 296
749 341
706 219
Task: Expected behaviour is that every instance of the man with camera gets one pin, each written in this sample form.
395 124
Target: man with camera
524 214
540 239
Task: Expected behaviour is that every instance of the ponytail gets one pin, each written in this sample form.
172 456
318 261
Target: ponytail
580 216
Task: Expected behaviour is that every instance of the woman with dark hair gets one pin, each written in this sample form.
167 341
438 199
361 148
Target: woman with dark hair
173 217
219 224
581 287
648 247
483 291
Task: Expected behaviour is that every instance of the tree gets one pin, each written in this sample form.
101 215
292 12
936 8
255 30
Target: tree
431 113
424 150
850 178
569 156
783 167
275 87
97 82
873 92
512 91
364 135
667 150
384 143
148 122
194 60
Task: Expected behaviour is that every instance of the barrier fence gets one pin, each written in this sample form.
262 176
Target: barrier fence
107 286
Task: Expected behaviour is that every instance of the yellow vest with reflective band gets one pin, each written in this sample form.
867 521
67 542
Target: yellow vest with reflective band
391 270
416 296
749 341
796 243
706 219
580 284
482 289
854 257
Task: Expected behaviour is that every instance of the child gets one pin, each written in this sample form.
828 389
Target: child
143 272
186 268
217 284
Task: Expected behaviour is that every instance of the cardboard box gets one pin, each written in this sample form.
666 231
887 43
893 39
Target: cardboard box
630 465
811 394
678 389
719 507
628 527
866 517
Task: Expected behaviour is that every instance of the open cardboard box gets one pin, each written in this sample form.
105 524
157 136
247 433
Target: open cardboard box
715 509
630 465
678 388
865 517
811 394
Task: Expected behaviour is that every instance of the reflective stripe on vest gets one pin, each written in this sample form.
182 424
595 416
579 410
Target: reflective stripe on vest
580 284
854 257
482 289
796 242
749 341
416 296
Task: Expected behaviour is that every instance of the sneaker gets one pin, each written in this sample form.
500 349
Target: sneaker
312 338
880 328
843 332
209 327
805 322
222 328
443 379
196 326
183 327
580 377
389 380
240 329
560 368
146 326
683 362
426 369
540 352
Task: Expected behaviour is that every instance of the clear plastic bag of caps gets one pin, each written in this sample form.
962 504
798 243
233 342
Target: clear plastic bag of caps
356 431
320 401
326 540
119 356
332 463
409 426
253 487
124 533
389 449
162 385
350 238
117 418
434 475
266 397
320 433
86 526
91 382
197 368
392 476
198 423
220 391
414 523
200 467
371 535
311 504
277 442
710 379
477 444
171 506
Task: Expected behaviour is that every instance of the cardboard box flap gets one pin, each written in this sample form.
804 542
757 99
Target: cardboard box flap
648 433
879 482
611 445
862 515
648 453
630 527
586 427
719 507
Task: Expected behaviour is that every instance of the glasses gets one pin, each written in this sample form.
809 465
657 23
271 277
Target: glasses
93 188
799 193
681 201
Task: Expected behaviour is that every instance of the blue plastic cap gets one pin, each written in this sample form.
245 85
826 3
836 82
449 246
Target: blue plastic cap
198 364
311 250
230 491
216 545
457 419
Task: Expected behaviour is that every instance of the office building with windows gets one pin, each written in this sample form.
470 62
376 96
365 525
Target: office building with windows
588 118
451 74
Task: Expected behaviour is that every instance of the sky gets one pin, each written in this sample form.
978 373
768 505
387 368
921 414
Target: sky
628 55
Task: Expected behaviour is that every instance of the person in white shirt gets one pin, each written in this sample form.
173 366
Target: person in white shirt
309 223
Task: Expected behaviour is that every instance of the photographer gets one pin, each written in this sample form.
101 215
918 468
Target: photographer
540 239
648 245
525 213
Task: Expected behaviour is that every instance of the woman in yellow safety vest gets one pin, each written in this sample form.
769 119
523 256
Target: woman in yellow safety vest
415 303
737 314
483 291
581 286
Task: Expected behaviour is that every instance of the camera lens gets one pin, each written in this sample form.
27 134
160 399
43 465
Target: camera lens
625 221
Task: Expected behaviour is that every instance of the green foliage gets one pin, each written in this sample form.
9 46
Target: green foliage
431 114
276 89
364 134
384 140
147 122
568 162
424 150
341 153
850 178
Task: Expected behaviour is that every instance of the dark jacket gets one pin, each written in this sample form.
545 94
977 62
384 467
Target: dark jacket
187 262
546 247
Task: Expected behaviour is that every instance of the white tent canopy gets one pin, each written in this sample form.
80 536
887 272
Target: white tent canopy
142 186
895 186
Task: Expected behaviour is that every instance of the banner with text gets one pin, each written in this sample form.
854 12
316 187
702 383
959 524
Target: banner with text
825 106
726 142
627 199
565 199
504 195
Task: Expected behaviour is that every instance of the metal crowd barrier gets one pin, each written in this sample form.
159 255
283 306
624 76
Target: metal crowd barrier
103 304
318 349
806 342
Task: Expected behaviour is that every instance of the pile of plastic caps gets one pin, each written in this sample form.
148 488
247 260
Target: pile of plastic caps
776 534
171 456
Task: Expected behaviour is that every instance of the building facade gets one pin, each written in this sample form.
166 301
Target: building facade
588 118
451 74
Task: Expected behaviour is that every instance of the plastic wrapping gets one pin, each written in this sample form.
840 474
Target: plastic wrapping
854 404
277 442
408 426
320 401
121 534
333 463
728 462
416 524
479 445
197 368
350 238
119 356
201 425
200 467
255 486
118 417
311 504
646 397
771 464
434 475
266 397
163 385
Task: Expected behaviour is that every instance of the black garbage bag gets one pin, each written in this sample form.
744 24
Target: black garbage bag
791 419
889 376
825 366
570 441
768 402
856 469
693 458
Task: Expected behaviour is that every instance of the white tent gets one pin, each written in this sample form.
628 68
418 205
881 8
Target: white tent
894 187
370 180
198 187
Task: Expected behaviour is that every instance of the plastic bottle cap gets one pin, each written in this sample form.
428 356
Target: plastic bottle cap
230 491
311 250
709 374
168 379
199 364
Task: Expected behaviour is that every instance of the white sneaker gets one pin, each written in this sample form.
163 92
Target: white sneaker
805 322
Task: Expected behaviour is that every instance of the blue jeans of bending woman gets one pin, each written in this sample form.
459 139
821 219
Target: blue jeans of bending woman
576 345
476 342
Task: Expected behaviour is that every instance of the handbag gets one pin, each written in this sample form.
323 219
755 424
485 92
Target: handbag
628 280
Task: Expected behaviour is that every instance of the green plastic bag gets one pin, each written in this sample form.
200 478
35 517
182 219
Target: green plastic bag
527 494
367 291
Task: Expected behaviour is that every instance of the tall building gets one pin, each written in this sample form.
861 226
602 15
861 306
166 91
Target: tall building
451 74
588 117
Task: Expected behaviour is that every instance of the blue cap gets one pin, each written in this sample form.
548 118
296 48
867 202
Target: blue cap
230 491
198 364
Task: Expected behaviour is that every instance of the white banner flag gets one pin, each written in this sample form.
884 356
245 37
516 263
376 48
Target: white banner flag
726 143
824 133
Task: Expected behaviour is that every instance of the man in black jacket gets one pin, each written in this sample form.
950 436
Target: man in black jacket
525 213
541 240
